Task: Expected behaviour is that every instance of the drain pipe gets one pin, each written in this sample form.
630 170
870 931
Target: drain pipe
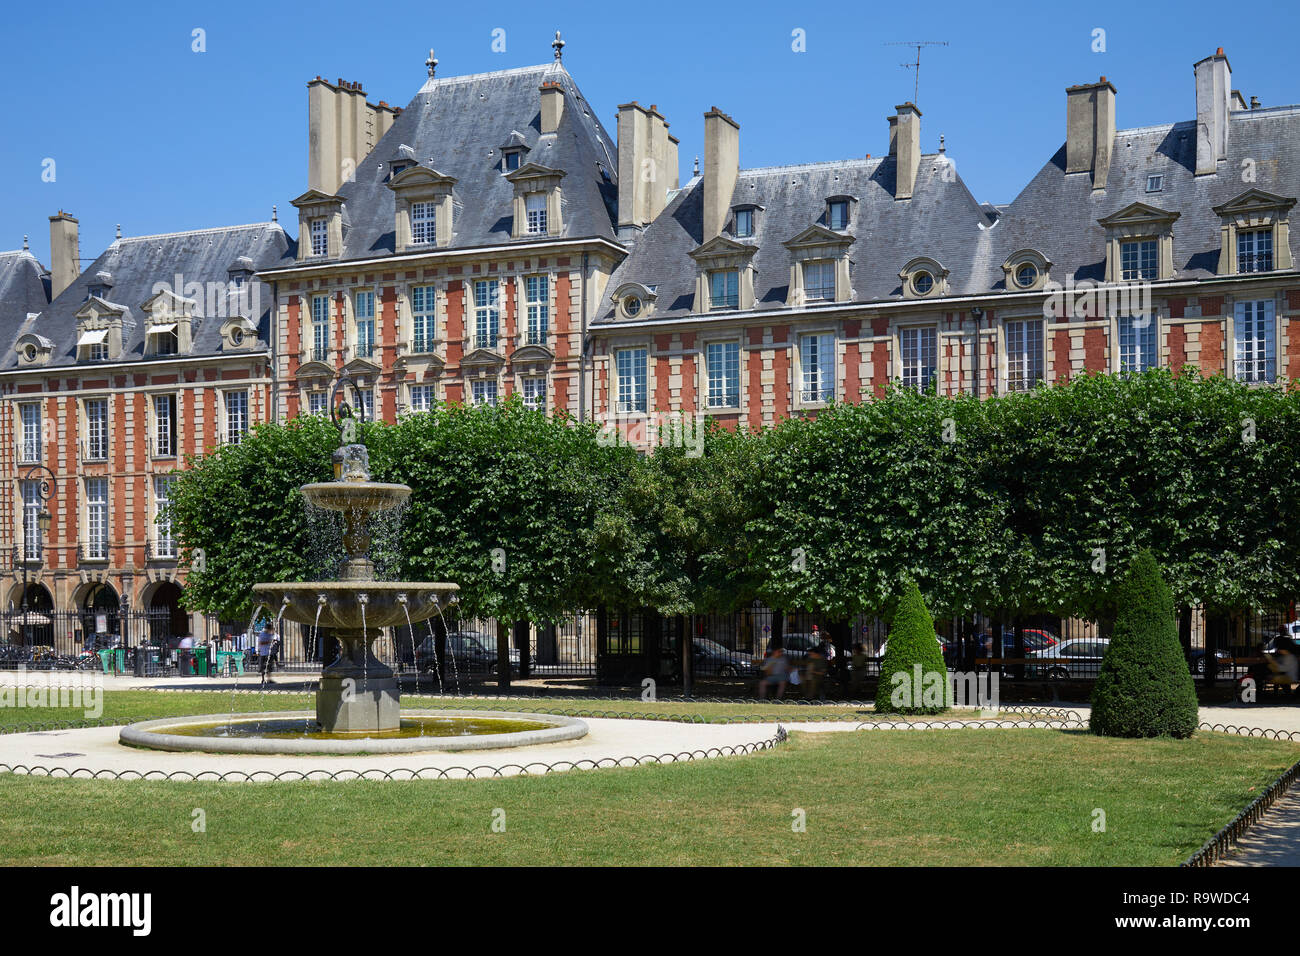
978 315
582 350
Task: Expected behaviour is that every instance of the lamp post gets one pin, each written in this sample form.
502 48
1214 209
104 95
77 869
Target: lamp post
45 491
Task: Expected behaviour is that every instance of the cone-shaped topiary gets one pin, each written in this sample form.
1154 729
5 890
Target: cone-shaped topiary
913 677
1144 688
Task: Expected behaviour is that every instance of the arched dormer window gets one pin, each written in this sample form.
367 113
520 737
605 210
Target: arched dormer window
1026 270
924 278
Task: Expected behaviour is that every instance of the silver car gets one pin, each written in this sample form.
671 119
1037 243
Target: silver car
1078 657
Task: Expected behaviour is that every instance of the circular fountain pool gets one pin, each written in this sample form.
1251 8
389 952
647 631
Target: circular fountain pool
297 732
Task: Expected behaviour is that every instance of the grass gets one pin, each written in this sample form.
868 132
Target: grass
954 797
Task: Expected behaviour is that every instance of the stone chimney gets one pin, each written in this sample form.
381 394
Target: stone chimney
721 168
1090 129
552 105
65 252
905 147
1213 103
647 165
342 129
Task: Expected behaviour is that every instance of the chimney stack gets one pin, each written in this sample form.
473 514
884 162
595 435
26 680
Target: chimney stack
1090 129
647 165
905 147
342 129
552 105
65 252
721 168
1213 98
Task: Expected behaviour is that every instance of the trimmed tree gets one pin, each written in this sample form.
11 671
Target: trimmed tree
1144 688
913 677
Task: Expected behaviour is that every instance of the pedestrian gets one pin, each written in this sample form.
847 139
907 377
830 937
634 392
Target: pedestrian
185 655
268 648
775 670
815 667
860 658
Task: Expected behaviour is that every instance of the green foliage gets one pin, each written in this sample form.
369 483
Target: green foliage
912 645
1144 688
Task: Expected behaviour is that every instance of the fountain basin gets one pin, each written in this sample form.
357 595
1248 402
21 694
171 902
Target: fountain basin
357 496
344 601
187 734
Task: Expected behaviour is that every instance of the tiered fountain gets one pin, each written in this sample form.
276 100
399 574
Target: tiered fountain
358 702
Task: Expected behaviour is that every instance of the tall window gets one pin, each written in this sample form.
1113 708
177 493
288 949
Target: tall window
1255 250
421 398
534 391
165 340
164 542
424 223
537 293
31 524
1254 352
318 403
1138 260
97 517
236 417
722 368
724 289
422 315
535 206
164 426
320 243
838 214
1137 343
817 367
487 313
367 403
484 391
30 450
744 223
96 429
919 348
630 367
819 280
1024 355
365 308
320 328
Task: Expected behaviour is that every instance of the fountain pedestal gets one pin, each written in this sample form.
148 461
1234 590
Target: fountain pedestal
358 693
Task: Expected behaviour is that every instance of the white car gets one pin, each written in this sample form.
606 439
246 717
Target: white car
1078 657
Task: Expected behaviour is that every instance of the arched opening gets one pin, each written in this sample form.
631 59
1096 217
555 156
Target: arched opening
36 626
100 612
167 617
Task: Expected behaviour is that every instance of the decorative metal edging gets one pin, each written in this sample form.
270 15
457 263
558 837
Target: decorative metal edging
1217 846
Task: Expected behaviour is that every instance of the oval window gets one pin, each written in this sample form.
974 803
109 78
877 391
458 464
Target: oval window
922 282
1026 275
631 307
236 337
29 352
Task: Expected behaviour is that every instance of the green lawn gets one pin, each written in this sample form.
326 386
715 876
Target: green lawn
958 797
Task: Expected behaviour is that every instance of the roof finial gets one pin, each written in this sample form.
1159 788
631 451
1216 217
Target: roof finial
558 44
24 243
119 230
697 166
275 214
941 146
431 63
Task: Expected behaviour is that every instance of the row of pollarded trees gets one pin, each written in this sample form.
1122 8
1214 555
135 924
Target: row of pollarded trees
1010 506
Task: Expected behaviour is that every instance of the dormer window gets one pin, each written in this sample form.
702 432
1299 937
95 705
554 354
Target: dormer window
1138 260
724 289
1255 233
320 241
396 168
837 214
744 223
1139 243
92 345
97 291
512 159
422 201
633 300
424 223
320 225
819 280
535 204
33 349
1026 270
1155 183
1026 275
923 277
1255 250
513 151
163 339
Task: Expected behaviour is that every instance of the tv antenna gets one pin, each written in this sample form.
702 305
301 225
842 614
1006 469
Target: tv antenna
916 64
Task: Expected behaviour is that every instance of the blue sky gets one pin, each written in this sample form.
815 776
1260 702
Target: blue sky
145 132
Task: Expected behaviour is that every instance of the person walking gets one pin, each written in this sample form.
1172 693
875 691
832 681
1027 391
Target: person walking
776 670
815 668
268 647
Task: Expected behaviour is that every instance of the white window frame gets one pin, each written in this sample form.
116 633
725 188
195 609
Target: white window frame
421 398
533 389
97 517
424 223
30 494
484 391
164 542
363 306
730 298
821 269
320 237
29 447
320 328
537 298
632 379
535 212
817 380
1254 239
487 313
424 310
918 355
1025 354
722 374
1139 345
1254 347
234 427
96 428
318 403
1139 272
166 434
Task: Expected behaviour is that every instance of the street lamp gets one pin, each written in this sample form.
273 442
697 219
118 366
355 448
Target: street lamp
44 491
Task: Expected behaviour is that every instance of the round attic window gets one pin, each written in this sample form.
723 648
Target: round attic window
236 336
1026 274
631 306
922 283
29 352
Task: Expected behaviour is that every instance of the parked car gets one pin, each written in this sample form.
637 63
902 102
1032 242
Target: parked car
470 651
1196 660
884 645
1078 657
715 660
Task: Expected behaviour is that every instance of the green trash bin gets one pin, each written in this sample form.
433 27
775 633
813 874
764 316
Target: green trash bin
201 660
121 660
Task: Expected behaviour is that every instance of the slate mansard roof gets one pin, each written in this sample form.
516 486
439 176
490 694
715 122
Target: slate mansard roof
1055 215
457 125
24 288
136 266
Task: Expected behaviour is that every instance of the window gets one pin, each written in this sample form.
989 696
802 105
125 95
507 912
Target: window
421 398
93 345
722 368
819 280
164 542
1255 250
30 450
1138 260
487 313
744 223
1024 355
724 289
96 448
838 214
365 309
1254 341
484 391
535 206
165 340
317 403
422 316
630 368
164 426
631 306
919 349
1137 343
1026 275
236 417
367 404
1155 183
512 160
320 243
31 524
424 223
535 392
537 294
922 282
320 328
97 518
817 367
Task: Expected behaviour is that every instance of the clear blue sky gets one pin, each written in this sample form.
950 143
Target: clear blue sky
148 133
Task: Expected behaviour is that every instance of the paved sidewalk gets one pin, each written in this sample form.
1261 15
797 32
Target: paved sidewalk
1275 839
